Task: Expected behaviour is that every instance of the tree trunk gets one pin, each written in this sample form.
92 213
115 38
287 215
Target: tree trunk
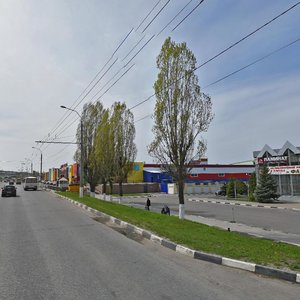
92 189
104 187
111 189
121 188
181 198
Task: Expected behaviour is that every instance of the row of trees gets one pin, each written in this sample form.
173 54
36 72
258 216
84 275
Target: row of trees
182 112
108 144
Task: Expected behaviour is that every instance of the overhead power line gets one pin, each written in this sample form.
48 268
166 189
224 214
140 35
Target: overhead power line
188 14
225 50
174 17
156 16
66 115
253 63
148 14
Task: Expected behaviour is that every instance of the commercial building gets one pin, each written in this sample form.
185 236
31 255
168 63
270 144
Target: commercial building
284 166
202 177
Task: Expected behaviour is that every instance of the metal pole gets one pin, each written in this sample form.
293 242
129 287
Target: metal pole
81 159
81 149
41 166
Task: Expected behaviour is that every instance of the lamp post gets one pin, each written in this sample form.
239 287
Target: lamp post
81 149
31 164
41 168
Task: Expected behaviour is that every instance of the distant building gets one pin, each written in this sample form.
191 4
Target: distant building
202 178
284 166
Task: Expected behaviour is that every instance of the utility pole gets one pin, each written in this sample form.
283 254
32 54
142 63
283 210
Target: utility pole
81 149
41 166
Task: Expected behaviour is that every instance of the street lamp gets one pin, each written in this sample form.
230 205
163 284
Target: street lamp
31 164
41 161
81 149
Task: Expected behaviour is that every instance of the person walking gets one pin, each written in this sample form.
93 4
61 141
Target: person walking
148 204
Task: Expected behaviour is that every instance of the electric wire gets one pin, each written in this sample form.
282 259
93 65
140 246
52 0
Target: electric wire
66 115
148 15
253 63
69 113
223 51
174 17
156 16
133 48
188 14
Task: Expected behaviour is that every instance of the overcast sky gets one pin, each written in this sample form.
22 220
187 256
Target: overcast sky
51 50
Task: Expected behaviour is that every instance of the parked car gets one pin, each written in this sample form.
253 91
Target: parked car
220 193
9 190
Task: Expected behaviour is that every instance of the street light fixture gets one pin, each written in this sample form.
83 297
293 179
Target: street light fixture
81 149
41 168
31 163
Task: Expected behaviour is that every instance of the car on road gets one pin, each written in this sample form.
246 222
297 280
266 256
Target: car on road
9 190
220 193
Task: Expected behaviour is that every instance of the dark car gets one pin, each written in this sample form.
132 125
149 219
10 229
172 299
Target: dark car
220 193
9 190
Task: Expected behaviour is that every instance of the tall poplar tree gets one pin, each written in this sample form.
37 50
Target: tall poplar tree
182 113
91 117
123 130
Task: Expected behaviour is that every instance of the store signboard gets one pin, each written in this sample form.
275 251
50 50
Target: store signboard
285 170
272 159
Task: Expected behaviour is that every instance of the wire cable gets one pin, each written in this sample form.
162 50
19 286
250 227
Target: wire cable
148 15
225 50
188 14
156 16
175 17
253 63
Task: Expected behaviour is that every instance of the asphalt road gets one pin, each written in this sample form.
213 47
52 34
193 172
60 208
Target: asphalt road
50 249
287 221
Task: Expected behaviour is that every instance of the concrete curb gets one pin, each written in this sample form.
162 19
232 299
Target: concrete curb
242 204
225 261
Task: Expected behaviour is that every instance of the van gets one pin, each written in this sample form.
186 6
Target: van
30 183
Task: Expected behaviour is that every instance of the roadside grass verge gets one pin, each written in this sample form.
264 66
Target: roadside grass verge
201 237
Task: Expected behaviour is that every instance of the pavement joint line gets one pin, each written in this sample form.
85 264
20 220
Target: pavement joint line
243 204
237 264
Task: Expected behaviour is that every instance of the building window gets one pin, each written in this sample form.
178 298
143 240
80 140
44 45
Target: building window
194 175
221 175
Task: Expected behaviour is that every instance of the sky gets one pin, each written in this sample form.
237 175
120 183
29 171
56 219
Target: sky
51 50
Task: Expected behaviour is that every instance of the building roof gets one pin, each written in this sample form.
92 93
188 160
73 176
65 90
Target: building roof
276 152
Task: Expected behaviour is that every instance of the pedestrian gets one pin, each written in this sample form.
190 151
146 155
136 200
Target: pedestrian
165 210
148 204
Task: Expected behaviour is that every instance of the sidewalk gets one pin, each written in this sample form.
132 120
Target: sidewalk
294 205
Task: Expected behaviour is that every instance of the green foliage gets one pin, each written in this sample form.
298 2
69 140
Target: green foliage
241 187
115 148
266 190
230 189
90 118
181 112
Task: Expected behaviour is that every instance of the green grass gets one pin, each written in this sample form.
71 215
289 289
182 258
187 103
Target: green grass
132 194
201 237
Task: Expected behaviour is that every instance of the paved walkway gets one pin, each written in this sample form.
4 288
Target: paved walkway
280 205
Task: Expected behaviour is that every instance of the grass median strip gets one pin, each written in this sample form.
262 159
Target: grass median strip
201 237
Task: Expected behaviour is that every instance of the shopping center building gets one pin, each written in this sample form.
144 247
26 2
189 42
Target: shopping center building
284 166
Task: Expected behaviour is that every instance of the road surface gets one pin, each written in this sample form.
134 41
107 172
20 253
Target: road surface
51 249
